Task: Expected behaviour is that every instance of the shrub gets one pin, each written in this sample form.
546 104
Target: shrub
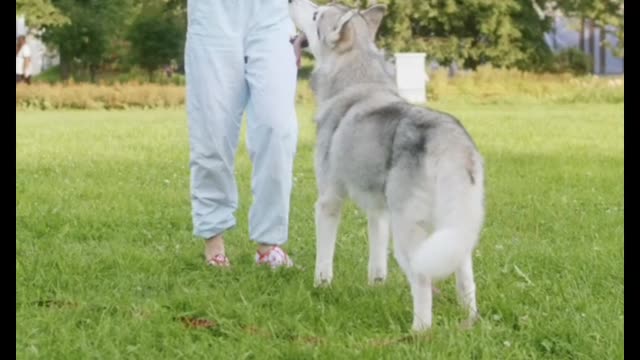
486 85
491 85
572 61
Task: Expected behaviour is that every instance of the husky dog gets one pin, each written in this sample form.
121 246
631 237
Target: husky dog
414 171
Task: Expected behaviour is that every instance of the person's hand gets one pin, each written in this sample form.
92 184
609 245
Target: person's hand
297 48
299 43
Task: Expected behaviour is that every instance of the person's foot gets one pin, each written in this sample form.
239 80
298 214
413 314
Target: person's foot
214 252
273 256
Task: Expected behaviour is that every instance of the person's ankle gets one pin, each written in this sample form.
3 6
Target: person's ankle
264 248
214 246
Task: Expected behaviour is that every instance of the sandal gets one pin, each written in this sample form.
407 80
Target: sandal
275 257
219 260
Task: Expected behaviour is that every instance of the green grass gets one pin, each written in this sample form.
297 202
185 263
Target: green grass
106 264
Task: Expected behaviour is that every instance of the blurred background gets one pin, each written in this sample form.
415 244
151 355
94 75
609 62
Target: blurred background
143 40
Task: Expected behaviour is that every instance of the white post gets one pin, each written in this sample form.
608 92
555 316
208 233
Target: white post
411 77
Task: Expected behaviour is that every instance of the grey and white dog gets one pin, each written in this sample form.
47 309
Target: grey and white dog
416 172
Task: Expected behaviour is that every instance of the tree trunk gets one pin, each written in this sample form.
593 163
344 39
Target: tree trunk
453 69
93 69
592 42
65 67
603 51
582 34
65 70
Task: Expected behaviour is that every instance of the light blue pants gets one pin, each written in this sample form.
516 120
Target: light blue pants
238 57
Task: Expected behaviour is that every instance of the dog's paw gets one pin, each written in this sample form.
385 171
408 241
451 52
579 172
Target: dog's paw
322 279
469 322
376 281
322 283
377 276
420 326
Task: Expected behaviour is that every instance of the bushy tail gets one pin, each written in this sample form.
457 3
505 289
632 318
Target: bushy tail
442 253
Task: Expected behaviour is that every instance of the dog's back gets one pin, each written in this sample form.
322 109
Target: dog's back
419 163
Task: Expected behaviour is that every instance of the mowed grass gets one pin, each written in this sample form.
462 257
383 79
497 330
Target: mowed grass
106 266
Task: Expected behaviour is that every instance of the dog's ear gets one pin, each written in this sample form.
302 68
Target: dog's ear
374 15
339 34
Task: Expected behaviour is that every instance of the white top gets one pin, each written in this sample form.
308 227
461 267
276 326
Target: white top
292 28
24 53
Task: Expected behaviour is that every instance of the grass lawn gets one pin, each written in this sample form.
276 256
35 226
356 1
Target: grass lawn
106 266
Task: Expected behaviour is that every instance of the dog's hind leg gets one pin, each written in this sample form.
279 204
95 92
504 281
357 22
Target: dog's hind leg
422 302
466 287
328 211
378 222
406 234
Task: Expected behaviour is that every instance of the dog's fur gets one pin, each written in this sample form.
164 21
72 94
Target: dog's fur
416 172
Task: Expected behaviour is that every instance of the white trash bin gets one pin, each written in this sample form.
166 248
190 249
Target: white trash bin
411 77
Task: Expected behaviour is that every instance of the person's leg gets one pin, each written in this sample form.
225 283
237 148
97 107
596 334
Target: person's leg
272 126
216 98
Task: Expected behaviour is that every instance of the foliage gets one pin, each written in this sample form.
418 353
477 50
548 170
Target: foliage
93 32
41 13
156 38
604 13
572 60
102 35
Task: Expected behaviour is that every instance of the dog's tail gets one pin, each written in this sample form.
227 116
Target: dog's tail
442 253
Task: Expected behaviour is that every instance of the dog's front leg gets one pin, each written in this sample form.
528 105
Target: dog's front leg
328 211
378 246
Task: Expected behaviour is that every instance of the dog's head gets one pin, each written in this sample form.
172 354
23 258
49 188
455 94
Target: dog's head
335 28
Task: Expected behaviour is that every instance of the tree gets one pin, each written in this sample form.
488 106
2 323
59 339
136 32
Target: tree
602 14
40 13
88 38
472 32
157 38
